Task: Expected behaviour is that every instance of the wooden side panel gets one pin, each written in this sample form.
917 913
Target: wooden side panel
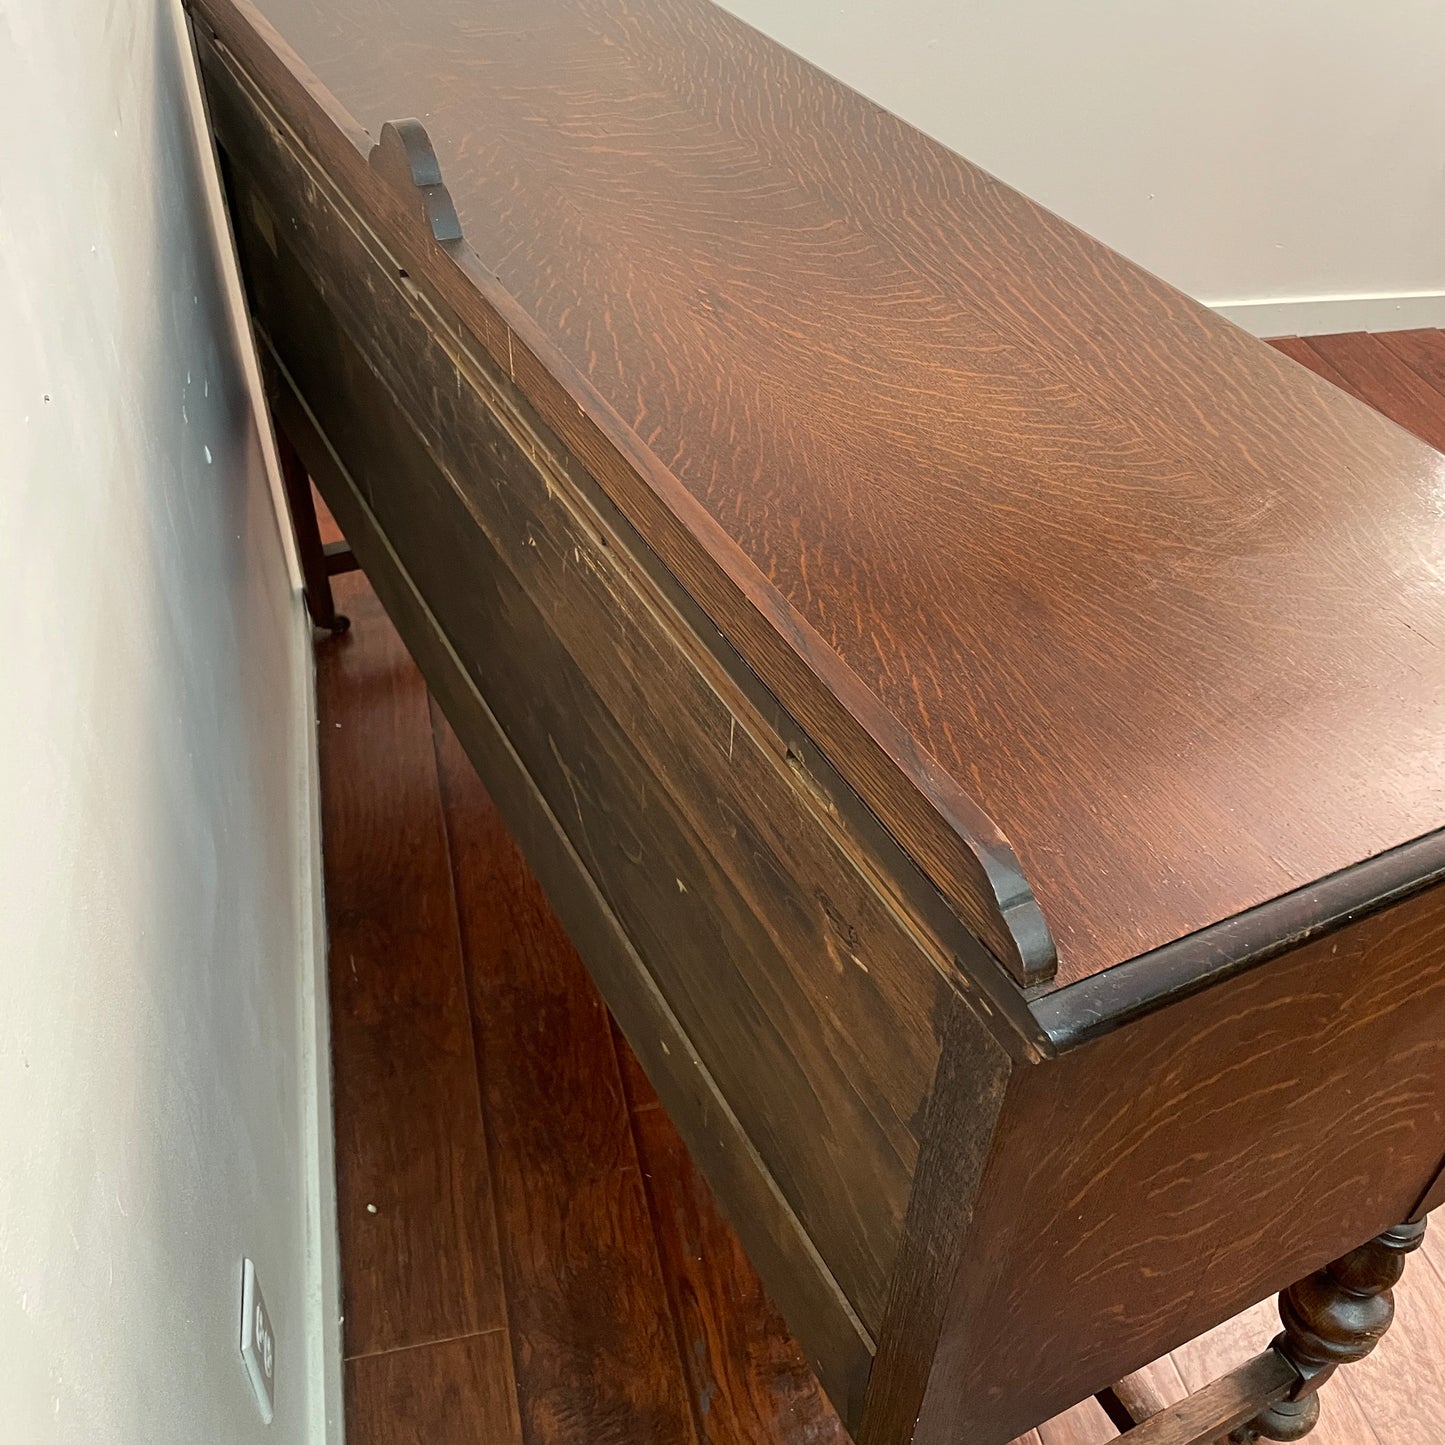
1155 1181
963 1113
1433 1197
596 1355
956 845
1024 496
839 1349
808 1002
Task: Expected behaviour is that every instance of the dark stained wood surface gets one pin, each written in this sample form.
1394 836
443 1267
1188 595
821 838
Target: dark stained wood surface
808 1001
775 1241
1208 1155
419 1258
461 1392
785 987
960 1133
1415 1077
598 1362
947 834
604 1349
749 1381
455 1392
1067 544
1375 372
1402 1385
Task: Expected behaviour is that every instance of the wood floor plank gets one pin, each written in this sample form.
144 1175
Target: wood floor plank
594 1346
418 1241
458 1392
325 523
1423 351
749 1379
1342 1422
1085 1424
1434 1250
1375 374
1164 1379
1297 348
636 1086
1401 1386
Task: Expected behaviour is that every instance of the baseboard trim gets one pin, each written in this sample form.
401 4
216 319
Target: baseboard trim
323 1246
325 1423
230 277
1324 315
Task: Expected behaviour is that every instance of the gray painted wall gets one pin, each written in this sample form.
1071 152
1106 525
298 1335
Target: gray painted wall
157 1102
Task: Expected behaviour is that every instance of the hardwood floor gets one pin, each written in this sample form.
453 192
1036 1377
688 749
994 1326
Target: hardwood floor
527 1253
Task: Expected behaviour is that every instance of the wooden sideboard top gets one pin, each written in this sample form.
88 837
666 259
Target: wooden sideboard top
1082 559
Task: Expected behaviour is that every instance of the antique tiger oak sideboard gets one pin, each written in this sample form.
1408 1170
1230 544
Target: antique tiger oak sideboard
980 716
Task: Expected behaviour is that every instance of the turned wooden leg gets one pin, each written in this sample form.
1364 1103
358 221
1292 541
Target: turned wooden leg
316 567
1335 1316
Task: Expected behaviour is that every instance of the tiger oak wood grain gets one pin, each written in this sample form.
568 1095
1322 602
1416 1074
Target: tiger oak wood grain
578 602
720 856
949 837
930 416
1206 1156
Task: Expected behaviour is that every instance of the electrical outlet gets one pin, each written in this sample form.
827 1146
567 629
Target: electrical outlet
258 1341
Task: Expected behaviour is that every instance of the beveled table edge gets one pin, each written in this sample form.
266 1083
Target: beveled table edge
954 842
1094 1006
1011 928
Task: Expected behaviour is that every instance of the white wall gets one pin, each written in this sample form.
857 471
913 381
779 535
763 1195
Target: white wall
157 1040
1248 151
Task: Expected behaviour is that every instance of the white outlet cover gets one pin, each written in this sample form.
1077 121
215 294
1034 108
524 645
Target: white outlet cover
258 1342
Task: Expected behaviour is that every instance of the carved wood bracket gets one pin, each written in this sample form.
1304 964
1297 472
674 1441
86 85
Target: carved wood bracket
405 157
